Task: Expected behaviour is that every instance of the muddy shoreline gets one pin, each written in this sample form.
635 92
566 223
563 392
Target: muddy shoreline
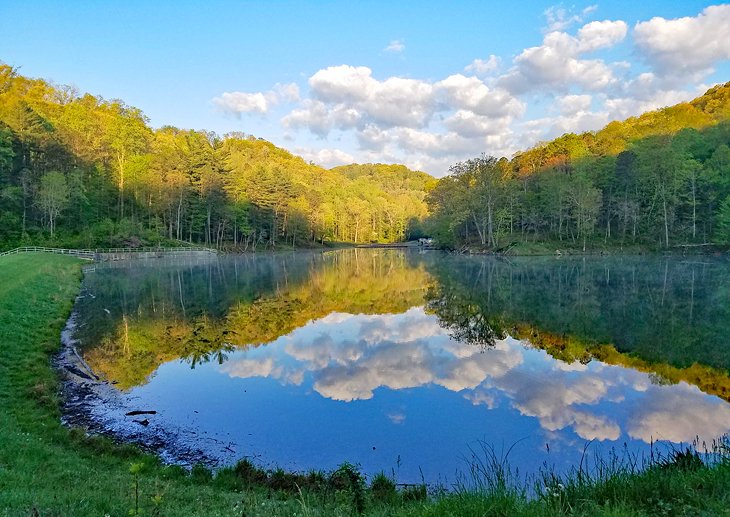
97 406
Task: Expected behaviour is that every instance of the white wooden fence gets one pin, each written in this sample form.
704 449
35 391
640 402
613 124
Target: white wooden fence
96 253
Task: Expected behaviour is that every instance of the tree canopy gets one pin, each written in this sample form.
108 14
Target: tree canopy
660 179
80 170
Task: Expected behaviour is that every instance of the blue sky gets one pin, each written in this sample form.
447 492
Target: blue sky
423 83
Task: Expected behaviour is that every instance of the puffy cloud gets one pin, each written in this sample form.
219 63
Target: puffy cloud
395 117
557 400
258 102
688 45
351 356
648 92
393 366
469 93
481 67
594 427
342 83
679 414
556 65
623 107
431 124
327 158
394 102
575 123
320 118
572 104
241 102
396 46
467 124
348 357
372 138
411 326
596 35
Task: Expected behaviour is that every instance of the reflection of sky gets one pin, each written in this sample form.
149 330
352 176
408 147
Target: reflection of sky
372 389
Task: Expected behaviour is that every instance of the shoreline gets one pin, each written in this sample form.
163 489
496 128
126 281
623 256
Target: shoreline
93 404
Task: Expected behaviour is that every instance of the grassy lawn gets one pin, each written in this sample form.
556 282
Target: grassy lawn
43 466
46 469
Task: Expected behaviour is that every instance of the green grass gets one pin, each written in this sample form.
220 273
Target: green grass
48 470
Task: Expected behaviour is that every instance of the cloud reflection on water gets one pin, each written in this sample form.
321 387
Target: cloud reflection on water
348 357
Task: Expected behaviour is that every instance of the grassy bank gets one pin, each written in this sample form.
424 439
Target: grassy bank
45 469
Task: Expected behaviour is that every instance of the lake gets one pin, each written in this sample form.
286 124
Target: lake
412 362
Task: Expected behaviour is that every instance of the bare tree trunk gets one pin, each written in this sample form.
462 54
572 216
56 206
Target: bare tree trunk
694 209
666 221
178 232
207 231
121 161
490 228
480 232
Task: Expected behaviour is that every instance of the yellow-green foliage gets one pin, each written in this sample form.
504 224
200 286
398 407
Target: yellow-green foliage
351 284
570 349
131 185
658 179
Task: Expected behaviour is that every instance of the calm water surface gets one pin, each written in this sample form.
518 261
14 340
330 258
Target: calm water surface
408 362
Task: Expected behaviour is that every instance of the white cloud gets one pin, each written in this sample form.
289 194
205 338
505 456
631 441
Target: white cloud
342 83
648 92
481 67
688 45
572 104
393 102
288 92
478 397
320 118
432 123
560 400
397 418
575 116
596 35
679 413
259 102
559 18
241 102
467 124
247 368
576 123
624 107
437 144
395 47
327 158
394 119
556 65
348 357
469 93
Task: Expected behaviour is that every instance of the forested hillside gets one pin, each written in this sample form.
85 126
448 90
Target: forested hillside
79 170
661 179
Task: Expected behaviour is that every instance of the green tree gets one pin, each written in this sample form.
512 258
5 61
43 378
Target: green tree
128 136
723 230
586 204
53 197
